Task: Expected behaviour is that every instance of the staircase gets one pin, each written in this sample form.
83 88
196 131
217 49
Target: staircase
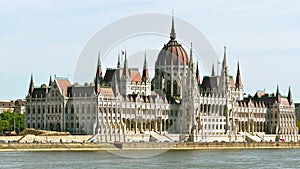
159 138
251 137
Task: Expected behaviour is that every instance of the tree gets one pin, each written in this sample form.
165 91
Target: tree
298 124
10 121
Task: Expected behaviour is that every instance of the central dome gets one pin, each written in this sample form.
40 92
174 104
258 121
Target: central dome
172 52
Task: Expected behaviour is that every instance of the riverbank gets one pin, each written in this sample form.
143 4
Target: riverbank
141 146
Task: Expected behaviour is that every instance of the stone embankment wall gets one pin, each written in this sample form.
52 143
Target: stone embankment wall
141 146
199 146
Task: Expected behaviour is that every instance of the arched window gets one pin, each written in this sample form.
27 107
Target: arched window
28 110
72 109
168 87
175 88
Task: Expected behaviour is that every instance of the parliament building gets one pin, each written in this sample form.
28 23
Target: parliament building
125 105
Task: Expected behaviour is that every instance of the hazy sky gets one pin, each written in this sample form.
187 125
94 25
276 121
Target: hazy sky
46 37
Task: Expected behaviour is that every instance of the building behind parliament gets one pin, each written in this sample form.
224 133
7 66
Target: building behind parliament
176 105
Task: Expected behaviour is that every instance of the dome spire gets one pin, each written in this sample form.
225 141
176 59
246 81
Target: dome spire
172 34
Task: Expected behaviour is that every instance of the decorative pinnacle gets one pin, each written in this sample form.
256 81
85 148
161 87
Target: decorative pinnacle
224 59
118 65
213 69
145 61
99 61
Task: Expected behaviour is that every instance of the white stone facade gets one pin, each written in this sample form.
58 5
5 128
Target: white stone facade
174 106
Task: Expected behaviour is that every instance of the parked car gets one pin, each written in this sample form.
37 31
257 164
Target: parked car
35 141
10 133
74 141
2 141
62 140
94 141
13 141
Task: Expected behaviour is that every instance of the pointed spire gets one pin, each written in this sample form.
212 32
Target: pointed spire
118 65
99 60
224 64
213 69
197 75
50 80
31 85
278 95
145 76
115 84
225 79
99 68
290 97
173 34
238 81
191 63
125 69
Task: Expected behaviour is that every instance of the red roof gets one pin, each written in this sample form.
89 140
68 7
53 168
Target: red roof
172 51
63 85
135 75
106 92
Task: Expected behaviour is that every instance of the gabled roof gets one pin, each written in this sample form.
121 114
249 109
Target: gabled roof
270 99
135 75
39 93
111 72
211 82
77 91
107 92
63 84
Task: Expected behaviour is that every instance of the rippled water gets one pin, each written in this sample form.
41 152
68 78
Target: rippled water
258 158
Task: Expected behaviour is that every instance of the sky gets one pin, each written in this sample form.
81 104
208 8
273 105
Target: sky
46 37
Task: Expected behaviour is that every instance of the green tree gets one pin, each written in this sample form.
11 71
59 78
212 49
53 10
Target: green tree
10 121
298 124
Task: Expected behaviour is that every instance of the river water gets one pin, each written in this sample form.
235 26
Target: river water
250 158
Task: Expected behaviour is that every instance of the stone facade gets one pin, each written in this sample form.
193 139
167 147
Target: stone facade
173 106
17 106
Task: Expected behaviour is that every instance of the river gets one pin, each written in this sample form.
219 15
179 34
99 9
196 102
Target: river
249 158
